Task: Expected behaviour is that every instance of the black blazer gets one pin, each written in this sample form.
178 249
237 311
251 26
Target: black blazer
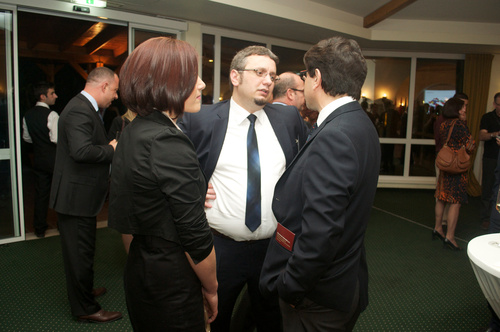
157 186
81 171
207 130
325 197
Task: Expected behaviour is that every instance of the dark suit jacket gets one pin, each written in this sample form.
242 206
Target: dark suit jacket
157 186
207 130
325 197
81 172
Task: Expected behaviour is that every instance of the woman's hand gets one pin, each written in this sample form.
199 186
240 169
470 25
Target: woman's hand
210 301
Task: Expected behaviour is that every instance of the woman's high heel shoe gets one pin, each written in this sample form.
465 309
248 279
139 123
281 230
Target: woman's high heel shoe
450 245
435 234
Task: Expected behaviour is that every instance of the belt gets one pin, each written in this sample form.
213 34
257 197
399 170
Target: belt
222 236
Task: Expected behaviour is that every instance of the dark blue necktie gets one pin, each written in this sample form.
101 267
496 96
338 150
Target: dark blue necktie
313 129
253 211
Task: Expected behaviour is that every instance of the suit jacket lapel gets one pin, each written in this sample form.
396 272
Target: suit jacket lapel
96 115
218 135
349 107
282 134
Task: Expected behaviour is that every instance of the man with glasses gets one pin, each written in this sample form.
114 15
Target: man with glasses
489 131
243 145
289 90
316 261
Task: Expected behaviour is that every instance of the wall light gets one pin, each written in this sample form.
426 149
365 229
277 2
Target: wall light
95 3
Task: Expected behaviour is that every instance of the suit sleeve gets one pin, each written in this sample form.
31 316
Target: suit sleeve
329 180
79 128
174 163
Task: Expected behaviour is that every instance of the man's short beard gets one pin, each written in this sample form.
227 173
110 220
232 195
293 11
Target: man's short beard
260 102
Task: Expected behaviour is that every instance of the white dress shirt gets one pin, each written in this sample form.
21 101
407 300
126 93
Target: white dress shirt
328 109
227 215
52 120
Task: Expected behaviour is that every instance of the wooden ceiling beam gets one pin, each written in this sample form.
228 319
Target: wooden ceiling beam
102 38
387 10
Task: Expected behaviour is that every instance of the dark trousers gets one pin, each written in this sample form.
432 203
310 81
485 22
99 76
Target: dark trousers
78 247
487 183
162 291
312 317
43 181
240 263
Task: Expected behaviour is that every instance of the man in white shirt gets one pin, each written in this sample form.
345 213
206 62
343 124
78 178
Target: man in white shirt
228 136
40 129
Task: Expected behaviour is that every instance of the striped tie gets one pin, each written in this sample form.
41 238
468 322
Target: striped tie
253 209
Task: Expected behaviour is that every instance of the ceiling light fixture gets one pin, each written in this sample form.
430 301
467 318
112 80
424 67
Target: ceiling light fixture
95 3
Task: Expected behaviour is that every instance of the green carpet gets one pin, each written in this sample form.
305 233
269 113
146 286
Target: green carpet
415 284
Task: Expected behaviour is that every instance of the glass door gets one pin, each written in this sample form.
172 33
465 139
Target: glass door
10 227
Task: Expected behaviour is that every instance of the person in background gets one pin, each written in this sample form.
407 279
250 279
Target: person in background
289 90
316 261
439 144
119 123
40 129
243 145
79 188
158 192
489 131
452 188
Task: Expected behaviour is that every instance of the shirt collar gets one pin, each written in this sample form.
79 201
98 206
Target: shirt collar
239 114
91 99
41 103
325 112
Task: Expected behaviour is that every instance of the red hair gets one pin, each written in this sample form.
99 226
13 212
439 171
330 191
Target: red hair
159 75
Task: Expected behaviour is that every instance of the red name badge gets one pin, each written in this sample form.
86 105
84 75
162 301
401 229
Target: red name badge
285 237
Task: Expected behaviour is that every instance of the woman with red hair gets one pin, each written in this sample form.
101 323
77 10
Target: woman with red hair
158 192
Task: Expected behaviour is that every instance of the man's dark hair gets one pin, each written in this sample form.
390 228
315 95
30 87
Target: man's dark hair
342 66
41 88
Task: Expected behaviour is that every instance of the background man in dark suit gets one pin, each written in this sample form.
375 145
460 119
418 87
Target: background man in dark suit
221 134
79 189
316 261
40 129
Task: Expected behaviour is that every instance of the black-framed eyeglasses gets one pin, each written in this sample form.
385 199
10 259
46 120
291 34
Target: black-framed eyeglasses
297 89
260 72
303 74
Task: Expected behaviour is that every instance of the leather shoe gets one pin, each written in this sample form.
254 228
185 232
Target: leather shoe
101 316
99 291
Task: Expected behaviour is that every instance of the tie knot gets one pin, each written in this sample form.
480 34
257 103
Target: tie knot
252 118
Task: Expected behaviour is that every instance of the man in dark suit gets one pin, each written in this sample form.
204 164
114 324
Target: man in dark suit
241 217
40 129
79 188
316 260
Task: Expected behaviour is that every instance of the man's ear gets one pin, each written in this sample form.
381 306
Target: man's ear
289 94
235 77
316 79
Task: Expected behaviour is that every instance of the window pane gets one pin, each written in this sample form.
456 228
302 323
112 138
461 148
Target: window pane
435 82
207 71
385 94
290 59
229 48
392 160
422 160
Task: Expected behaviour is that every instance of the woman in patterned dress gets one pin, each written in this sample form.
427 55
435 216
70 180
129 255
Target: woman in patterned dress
452 188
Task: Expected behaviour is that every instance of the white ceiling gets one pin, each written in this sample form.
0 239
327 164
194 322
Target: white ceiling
483 11
439 26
